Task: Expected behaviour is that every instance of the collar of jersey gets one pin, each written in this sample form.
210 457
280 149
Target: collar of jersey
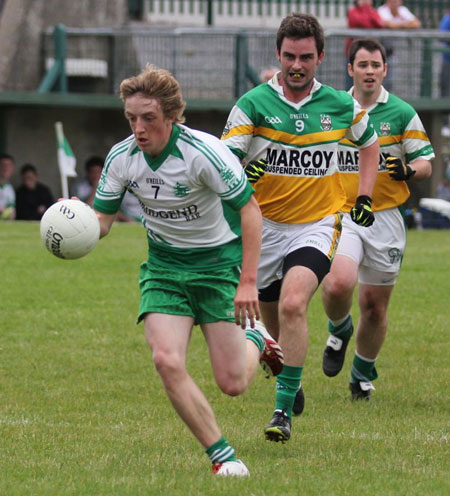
169 149
383 97
279 89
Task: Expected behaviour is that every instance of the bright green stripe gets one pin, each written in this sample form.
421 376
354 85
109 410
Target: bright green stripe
115 151
108 193
108 207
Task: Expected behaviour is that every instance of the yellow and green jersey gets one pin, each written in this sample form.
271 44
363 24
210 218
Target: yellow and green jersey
401 134
300 143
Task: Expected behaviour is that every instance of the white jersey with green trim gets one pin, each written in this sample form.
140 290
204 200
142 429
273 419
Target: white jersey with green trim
300 143
190 197
401 134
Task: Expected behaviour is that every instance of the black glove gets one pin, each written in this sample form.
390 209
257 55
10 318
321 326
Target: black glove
362 213
255 170
398 170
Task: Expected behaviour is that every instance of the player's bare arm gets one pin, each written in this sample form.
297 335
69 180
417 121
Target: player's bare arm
106 221
368 168
246 299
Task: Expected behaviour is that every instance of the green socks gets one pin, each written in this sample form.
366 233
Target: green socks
343 330
288 382
221 452
256 337
363 369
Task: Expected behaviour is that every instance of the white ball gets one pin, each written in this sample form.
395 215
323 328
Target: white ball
70 229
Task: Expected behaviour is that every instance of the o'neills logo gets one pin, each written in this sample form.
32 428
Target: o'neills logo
53 241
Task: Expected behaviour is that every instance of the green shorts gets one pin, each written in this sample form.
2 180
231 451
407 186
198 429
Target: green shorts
206 296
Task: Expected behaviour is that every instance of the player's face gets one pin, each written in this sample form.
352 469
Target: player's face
150 127
299 60
368 71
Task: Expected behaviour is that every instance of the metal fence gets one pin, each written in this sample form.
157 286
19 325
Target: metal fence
220 64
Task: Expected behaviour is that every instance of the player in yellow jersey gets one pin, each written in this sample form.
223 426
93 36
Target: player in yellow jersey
295 123
372 257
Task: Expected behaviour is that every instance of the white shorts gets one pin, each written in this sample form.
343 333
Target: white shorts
279 240
378 249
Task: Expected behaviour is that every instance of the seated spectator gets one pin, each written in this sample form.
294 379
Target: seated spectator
85 188
7 193
395 16
32 197
443 189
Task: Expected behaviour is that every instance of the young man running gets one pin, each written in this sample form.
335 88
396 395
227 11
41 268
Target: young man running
295 123
372 257
204 233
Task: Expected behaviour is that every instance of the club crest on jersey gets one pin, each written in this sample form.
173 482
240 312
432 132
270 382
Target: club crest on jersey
325 122
181 190
385 129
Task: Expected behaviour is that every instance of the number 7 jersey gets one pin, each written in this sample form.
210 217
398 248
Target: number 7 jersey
190 197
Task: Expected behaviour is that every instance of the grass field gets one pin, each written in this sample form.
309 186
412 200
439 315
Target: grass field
82 411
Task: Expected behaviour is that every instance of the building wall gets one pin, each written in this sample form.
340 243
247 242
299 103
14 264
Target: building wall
30 135
22 23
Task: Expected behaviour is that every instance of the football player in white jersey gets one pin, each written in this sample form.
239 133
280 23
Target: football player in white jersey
204 234
372 257
295 123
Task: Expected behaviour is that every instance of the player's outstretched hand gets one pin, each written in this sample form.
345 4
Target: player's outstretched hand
255 170
398 170
362 213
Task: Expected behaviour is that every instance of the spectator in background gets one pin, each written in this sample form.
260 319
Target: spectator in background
443 189
32 197
361 16
395 16
267 73
7 193
85 188
445 72
130 208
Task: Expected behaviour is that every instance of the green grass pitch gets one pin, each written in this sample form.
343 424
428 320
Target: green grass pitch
82 411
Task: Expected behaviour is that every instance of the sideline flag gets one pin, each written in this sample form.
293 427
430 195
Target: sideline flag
66 159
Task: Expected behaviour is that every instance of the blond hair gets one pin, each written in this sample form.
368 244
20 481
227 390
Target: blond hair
157 83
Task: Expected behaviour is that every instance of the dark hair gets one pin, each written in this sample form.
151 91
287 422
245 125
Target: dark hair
369 44
28 168
298 26
7 156
93 161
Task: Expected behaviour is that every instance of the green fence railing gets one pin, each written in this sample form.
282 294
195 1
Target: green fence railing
221 64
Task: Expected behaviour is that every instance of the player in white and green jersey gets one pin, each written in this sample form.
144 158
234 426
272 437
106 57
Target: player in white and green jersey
204 235
372 256
294 123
